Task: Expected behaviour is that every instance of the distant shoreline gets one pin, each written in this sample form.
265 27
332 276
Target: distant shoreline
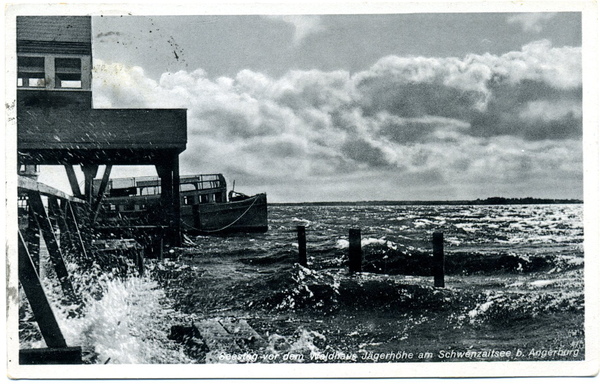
477 202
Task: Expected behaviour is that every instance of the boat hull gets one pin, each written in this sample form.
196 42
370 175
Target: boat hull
247 215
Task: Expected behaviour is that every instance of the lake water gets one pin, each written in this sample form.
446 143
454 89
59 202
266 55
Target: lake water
513 290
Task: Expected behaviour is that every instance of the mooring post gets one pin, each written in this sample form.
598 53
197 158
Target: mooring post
355 251
139 260
302 246
438 259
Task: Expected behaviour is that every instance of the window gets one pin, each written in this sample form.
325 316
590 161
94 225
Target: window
68 72
23 203
31 72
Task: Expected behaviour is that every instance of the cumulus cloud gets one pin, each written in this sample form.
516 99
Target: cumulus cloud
531 22
496 119
304 25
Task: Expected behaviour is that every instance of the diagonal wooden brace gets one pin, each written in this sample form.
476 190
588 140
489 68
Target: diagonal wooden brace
35 200
73 225
37 299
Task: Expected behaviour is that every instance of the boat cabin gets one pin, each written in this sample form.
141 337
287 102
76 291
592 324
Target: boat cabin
137 193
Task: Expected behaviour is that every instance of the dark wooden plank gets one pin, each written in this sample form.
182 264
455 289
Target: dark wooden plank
29 184
216 337
51 356
37 299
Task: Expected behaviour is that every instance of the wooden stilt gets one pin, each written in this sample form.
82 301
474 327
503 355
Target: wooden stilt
169 183
89 171
176 203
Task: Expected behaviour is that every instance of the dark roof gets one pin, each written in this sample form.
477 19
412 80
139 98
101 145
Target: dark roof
54 34
117 136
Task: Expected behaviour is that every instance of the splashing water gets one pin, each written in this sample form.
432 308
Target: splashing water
123 320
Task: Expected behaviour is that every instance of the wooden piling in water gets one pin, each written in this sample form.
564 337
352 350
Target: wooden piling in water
355 251
438 259
139 261
302 260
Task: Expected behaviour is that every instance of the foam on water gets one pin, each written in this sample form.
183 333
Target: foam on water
123 320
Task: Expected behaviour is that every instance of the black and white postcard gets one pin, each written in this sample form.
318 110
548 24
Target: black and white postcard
267 190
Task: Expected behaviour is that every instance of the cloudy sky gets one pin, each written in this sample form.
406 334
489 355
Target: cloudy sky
360 107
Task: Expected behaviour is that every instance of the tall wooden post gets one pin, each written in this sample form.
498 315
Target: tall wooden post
168 171
89 171
302 246
355 251
176 202
438 259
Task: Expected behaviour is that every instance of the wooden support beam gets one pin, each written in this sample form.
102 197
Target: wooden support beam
37 299
73 180
168 172
176 202
100 193
35 200
25 185
89 172
51 356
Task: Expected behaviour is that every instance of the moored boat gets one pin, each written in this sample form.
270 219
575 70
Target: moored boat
205 205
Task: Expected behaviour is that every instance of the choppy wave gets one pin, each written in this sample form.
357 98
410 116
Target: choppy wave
506 267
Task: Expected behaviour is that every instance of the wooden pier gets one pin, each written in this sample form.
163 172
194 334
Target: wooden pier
57 125
31 192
